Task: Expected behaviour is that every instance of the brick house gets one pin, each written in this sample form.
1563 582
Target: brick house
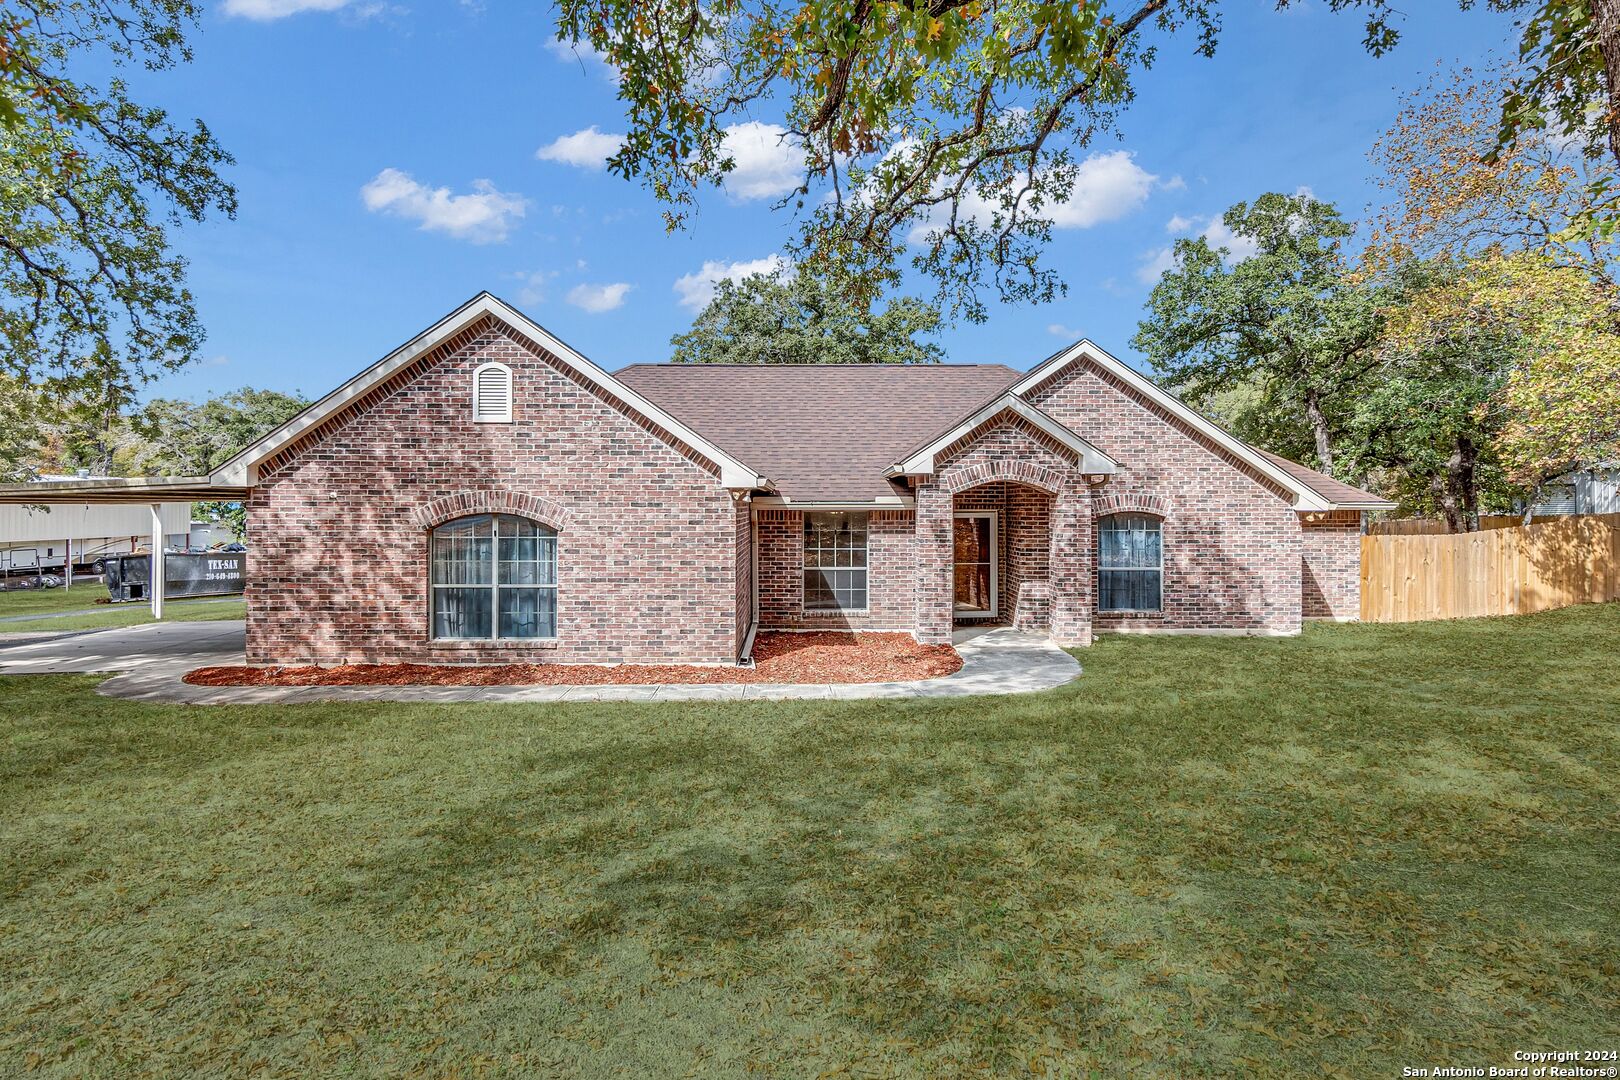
485 493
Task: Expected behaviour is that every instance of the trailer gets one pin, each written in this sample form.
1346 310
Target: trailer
46 539
214 573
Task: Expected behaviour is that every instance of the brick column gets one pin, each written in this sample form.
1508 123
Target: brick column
1071 558
935 563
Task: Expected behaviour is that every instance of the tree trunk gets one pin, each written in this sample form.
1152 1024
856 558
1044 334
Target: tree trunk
1446 496
1606 19
1462 487
1319 426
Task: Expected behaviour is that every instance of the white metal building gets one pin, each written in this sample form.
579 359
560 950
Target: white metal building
1589 491
35 539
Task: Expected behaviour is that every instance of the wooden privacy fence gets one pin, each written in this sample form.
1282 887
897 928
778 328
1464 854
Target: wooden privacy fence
1510 571
1425 526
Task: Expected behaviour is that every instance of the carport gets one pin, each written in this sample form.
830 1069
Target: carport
150 491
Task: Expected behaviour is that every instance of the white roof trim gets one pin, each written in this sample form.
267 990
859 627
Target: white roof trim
242 470
1092 460
1304 497
881 502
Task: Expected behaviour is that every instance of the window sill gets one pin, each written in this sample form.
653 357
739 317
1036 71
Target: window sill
468 644
833 613
1131 613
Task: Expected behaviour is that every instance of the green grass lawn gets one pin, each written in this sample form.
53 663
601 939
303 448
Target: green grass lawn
1335 855
83 596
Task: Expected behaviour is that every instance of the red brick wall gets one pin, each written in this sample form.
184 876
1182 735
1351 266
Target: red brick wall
1026 596
1332 565
1232 545
891 577
647 547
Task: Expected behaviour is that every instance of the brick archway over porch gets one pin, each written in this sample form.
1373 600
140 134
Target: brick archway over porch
1050 480
1069 558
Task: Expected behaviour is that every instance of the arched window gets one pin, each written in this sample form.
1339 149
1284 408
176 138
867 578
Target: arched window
494 576
492 394
1130 563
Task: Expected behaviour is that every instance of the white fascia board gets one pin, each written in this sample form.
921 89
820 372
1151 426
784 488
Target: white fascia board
1304 497
242 470
883 502
1092 460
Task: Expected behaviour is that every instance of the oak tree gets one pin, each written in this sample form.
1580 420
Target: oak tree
789 318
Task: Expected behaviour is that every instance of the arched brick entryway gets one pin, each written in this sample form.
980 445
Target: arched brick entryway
1045 491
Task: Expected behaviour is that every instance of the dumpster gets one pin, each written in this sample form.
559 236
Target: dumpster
214 573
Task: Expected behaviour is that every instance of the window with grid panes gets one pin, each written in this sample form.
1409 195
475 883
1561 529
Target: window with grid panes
835 562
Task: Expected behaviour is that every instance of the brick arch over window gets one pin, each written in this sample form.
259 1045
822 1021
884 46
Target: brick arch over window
1108 505
1016 471
546 511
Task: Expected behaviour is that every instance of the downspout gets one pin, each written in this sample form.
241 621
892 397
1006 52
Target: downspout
747 657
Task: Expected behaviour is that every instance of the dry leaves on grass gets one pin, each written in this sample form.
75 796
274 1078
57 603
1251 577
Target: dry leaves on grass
819 657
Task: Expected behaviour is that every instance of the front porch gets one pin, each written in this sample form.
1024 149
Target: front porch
1006 545
1001 557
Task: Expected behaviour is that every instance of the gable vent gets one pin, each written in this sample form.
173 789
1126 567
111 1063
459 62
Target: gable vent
492 394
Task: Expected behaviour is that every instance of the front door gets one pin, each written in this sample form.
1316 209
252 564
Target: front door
976 568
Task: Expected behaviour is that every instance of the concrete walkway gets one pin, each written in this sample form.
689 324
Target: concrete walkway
154 656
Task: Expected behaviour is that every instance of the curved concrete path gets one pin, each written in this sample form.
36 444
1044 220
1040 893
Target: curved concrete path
154 656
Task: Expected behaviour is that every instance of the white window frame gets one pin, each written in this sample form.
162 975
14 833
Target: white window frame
493 418
495 586
966 614
834 612
1128 569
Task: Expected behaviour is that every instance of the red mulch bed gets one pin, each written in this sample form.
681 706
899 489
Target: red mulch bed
821 657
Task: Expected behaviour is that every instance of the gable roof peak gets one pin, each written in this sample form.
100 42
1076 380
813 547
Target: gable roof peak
242 470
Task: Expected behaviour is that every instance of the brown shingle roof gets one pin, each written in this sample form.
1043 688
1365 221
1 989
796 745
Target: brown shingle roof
828 432
1334 491
821 432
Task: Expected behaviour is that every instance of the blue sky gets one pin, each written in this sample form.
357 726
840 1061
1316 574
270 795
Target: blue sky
390 165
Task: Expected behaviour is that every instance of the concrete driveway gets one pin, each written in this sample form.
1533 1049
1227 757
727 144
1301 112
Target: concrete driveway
154 656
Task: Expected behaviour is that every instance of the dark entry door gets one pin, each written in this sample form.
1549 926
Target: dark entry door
975 565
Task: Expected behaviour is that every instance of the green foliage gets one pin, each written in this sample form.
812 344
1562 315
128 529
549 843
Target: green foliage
22 430
1285 324
1208 857
91 297
1427 420
185 438
802 319
944 134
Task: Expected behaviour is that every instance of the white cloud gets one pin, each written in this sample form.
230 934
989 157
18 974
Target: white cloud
1175 183
533 286
769 162
1215 232
598 298
577 52
587 149
696 290
484 216
219 360
1106 187
1238 247
1154 265
269 10
1064 332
